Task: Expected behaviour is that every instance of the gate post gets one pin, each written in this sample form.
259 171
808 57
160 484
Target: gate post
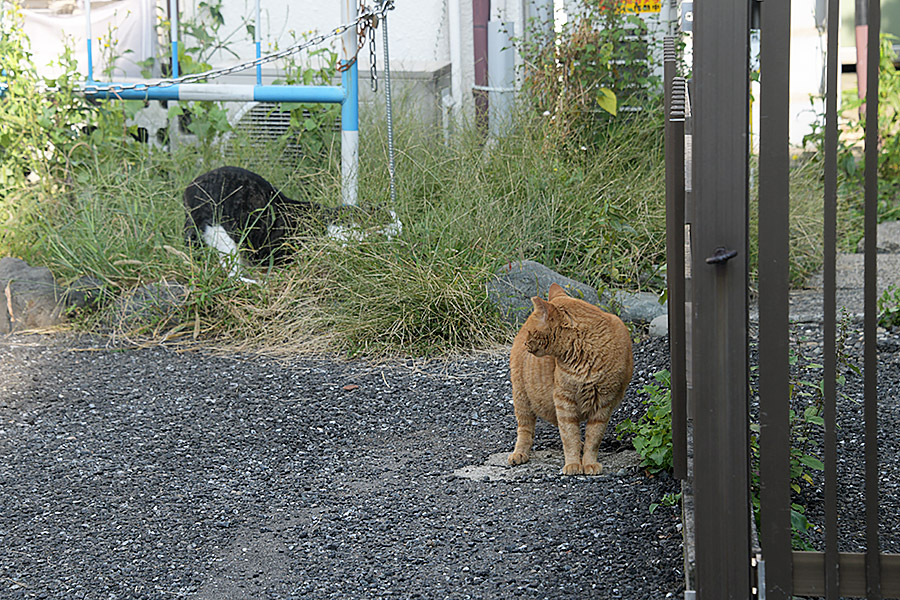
773 275
719 324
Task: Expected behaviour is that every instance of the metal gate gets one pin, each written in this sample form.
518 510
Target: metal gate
708 299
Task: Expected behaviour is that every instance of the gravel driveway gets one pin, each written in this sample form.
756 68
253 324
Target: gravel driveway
155 474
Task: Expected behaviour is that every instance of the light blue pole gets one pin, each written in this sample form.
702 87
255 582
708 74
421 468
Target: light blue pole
258 37
350 106
173 23
90 58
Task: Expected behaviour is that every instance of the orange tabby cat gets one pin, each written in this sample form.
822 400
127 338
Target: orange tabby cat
570 363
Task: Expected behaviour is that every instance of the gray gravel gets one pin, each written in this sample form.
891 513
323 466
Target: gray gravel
806 345
155 474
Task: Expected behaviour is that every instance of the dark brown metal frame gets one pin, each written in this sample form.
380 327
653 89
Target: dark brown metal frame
675 100
719 269
718 334
774 280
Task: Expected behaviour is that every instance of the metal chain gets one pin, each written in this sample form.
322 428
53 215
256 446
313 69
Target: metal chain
373 58
387 5
367 16
368 21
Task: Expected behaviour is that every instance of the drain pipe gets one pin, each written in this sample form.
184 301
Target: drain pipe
862 35
481 13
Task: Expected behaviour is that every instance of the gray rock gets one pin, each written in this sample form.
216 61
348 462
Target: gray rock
84 292
148 304
888 238
514 285
659 327
31 298
640 307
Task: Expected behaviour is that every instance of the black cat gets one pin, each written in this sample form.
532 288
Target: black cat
230 208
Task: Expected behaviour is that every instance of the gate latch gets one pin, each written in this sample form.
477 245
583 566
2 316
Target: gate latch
722 255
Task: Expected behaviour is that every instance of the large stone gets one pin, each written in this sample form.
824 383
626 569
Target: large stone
659 327
633 307
31 299
84 292
887 239
514 285
149 304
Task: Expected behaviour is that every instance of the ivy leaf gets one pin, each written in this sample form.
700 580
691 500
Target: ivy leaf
606 99
799 521
812 462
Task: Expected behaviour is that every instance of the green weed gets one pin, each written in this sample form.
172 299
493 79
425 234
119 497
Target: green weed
651 435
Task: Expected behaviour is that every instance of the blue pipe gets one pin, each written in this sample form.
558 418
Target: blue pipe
328 94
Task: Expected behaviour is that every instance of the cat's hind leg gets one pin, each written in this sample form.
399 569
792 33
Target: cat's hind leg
593 434
525 420
569 432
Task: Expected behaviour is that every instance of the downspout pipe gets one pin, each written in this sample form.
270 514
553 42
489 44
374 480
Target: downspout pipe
481 14
862 33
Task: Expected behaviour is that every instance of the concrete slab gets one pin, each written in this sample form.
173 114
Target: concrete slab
545 463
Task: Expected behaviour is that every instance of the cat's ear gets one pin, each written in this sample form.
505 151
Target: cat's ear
542 308
556 291
567 320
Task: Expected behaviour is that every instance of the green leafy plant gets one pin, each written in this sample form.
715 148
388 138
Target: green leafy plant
669 499
598 63
652 434
800 461
889 307
202 36
313 127
807 393
851 159
46 128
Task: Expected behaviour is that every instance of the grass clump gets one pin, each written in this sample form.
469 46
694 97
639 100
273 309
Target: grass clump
585 198
466 209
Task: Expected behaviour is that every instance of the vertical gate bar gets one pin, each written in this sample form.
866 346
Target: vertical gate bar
674 131
719 303
668 72
832 573
774 263
675 278
870 356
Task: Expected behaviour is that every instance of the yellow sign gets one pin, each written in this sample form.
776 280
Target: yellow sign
641 6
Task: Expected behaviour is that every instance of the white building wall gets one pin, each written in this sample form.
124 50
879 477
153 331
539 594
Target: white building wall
423 36
807 70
